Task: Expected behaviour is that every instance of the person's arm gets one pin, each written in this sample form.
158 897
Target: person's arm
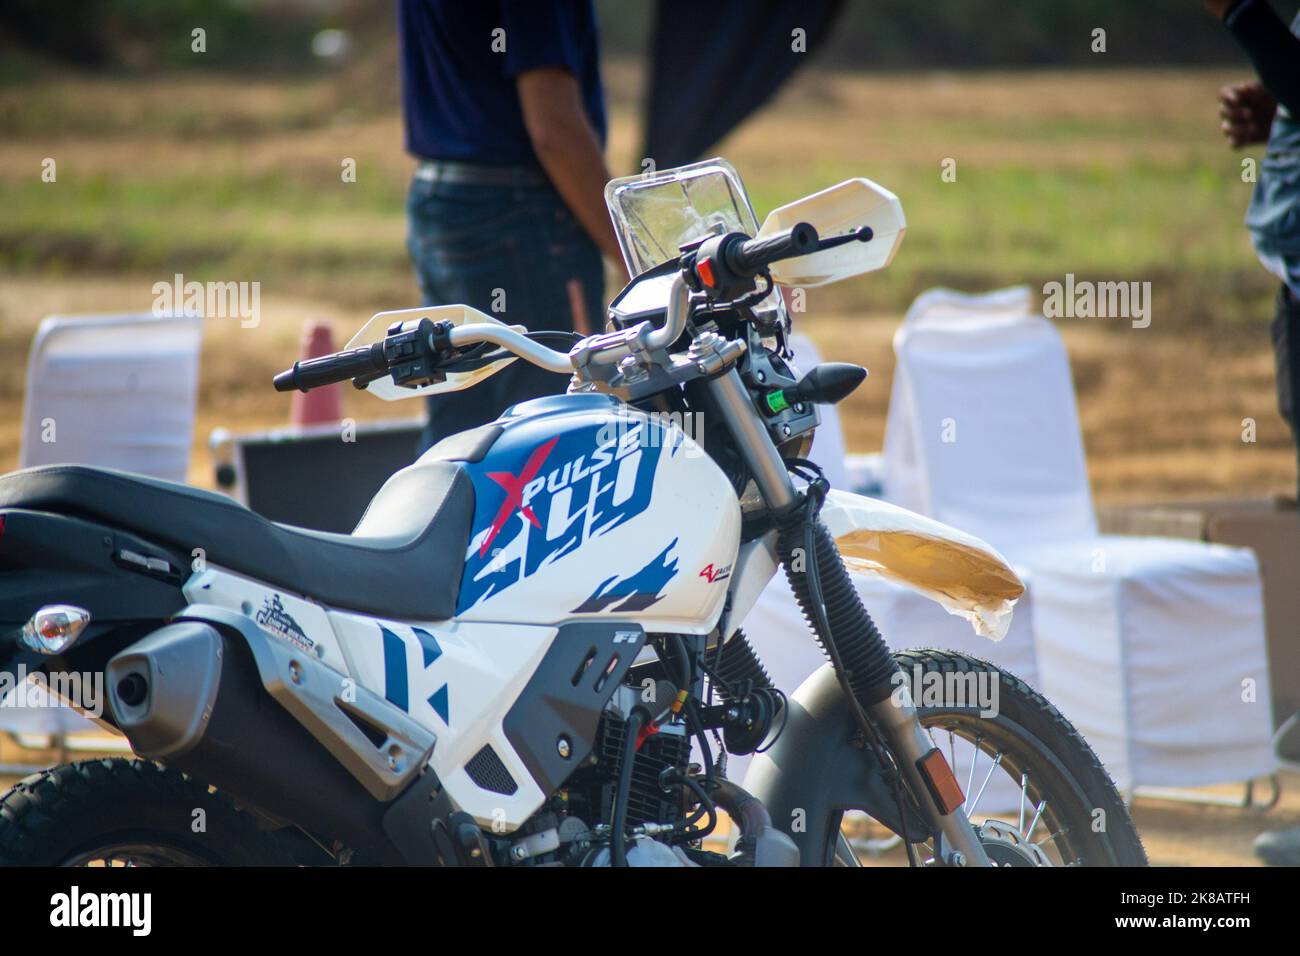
568 149
1271 46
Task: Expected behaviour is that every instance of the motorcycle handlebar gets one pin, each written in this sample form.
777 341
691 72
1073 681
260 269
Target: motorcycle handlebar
514 341
338 367
370 361
751 256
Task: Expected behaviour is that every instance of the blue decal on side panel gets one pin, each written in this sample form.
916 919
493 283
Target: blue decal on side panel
541 499
428 644
400 684
636 592
438 701
395 680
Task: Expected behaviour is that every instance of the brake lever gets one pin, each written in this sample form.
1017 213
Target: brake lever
865 234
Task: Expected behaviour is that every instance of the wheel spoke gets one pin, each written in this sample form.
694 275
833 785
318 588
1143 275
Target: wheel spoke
1029 831
996 762
1024 796
970 777
1037 815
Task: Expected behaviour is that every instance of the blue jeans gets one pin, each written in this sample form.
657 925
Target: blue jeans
515 253
1286 353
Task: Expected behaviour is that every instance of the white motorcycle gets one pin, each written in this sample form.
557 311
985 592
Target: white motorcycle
512 657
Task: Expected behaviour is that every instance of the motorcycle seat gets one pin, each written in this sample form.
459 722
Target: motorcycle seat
403 560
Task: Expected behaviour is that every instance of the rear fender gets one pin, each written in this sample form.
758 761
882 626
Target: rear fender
128 585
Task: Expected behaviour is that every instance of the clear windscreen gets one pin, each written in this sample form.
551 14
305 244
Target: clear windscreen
655 214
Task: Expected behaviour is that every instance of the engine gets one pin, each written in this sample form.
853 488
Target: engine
591 791
668 805
573 828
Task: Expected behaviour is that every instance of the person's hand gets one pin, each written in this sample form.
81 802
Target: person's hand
1219 8
1246 113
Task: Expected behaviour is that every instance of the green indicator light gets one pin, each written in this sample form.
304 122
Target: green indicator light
776 401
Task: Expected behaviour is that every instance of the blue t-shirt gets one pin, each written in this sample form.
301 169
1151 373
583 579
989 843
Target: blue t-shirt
460 60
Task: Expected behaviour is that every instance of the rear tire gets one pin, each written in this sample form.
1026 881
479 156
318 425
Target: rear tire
117 811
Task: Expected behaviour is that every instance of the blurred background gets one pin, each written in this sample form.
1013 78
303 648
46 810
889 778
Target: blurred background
225 165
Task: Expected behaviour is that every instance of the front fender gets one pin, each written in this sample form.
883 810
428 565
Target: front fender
961 572
818 768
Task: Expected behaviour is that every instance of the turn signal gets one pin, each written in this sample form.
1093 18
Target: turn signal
54 628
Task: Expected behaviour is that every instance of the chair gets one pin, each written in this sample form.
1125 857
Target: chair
109 390
1153 647
113 390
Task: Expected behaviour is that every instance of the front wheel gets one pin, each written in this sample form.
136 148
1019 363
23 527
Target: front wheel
117 812
1035 790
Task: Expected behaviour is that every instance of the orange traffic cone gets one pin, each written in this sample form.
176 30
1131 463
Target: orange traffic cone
320 405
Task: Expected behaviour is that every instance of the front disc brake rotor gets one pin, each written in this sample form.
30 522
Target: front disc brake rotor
1006 847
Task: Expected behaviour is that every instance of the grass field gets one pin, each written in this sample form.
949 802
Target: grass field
1116 175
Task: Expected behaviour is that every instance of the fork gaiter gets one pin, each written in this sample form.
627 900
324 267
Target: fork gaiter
862 651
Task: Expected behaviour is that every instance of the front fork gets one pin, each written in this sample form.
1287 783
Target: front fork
894 717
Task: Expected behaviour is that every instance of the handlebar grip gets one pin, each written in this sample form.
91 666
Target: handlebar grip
752 256
338 367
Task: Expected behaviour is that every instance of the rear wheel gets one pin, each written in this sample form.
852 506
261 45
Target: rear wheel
118 812
1034 788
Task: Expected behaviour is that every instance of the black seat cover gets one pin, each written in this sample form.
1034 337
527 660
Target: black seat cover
403 560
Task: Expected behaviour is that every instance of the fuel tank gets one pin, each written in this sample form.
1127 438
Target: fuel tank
585 508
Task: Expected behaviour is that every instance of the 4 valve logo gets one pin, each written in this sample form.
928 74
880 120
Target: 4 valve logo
552 498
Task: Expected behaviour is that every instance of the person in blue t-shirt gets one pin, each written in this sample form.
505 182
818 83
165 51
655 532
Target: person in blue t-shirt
505 113
1253 113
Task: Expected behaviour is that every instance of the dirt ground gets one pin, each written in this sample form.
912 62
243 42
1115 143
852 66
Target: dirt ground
1175 834
1106 173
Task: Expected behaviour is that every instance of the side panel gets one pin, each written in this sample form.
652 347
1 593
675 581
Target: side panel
756 564
459 680
497 697
593 511
293 619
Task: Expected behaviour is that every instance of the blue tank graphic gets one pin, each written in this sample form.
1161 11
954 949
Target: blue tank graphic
565 470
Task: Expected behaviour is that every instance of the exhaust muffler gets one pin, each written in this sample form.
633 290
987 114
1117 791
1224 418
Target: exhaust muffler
163 688
202 695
